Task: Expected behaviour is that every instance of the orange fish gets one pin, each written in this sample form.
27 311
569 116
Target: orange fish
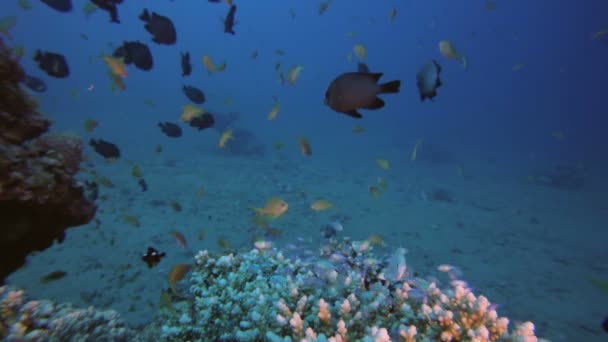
275 208
178 272
180 239
275 110
305 146
117 81
117 66
208 64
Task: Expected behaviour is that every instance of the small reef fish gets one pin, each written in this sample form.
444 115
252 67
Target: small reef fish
105 148
324 6
415 150
194 94
428 80
275 208
190 112
275 110
321 205
177 273
110 7
294 73
185 63
116 65
355 90
305 147
383 163
229 20
54 64
180 239
448 51
226 136
152 257
63 6
90 125
170 129
55 275
392 14
135 52
208 63
360 51
160 27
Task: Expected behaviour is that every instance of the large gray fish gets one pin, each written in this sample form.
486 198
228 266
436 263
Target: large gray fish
427 80
358 90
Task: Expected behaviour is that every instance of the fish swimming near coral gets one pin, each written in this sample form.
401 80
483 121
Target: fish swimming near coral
54 64
34 83
178 272
275 208
105 148
352 91
152 257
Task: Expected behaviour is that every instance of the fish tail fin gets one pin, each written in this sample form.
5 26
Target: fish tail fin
145 16
390 87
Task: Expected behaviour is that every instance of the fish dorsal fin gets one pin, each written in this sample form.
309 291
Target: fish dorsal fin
362 67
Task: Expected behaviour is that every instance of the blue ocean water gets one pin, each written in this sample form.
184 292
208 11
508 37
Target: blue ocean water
516 140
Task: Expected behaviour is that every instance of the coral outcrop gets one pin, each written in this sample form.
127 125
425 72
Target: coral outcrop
43 320
345 294
39 196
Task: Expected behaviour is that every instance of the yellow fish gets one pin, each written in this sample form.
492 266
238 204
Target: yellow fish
208 64
226 136
275 208
383 163
221 67
360 51
448 51
294 74
190 112
320 205
275 110
178 272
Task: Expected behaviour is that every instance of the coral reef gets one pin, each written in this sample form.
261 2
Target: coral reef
23 320
344 295
39 196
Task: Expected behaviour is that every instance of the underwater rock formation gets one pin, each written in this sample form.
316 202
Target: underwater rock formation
39 196
43 320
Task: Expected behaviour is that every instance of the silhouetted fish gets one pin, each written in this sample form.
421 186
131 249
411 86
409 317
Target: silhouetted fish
170 129
142 184
137 53
34 83
204 121
152 257
53 64
194 94
356 90
160 27
186 66
110 7
427 80
59 5
105 148
229 21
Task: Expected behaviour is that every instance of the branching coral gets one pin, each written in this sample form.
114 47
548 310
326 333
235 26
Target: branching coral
266 296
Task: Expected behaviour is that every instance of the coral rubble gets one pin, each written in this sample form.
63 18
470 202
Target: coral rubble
345 295
39 196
